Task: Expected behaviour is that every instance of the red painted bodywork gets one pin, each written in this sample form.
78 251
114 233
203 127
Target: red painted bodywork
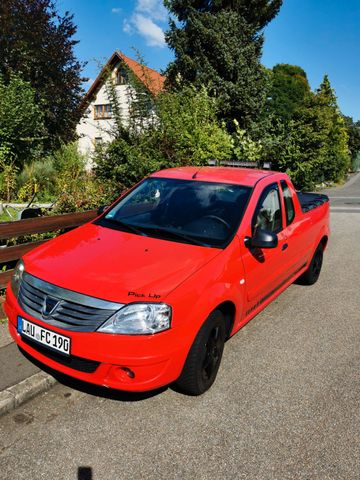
194 280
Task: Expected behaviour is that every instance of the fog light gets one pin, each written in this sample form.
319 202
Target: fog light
128 372
119 374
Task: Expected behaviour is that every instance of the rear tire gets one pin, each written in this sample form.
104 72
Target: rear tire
203 360
313 272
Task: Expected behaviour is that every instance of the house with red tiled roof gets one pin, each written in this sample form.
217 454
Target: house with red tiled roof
97 121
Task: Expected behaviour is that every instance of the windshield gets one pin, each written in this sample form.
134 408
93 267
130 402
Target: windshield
200 213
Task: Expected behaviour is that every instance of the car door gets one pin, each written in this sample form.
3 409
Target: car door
295 258
264 268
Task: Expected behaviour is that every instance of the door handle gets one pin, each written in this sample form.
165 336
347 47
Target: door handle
284 247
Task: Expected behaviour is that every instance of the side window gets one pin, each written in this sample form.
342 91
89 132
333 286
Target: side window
268 212
289 204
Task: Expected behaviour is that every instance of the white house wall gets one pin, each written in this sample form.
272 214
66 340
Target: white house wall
91 128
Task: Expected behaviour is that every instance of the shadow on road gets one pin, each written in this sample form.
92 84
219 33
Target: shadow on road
85 473
91 389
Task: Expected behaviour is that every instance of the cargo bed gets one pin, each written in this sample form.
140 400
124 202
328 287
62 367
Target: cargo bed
309 201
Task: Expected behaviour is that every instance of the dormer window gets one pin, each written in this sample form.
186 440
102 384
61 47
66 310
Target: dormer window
121 77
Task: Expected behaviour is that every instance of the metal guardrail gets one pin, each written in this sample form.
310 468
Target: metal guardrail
31 226
24 205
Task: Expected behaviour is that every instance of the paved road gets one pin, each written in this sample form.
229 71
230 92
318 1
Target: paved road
285 405
347 198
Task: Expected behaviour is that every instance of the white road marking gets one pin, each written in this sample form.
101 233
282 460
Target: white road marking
348 207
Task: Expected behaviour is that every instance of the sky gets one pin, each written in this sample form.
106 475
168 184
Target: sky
321 36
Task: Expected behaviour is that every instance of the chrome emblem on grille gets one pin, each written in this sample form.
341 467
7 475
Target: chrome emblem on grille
49 306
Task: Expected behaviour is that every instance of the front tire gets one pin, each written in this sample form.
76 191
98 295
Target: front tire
313 272
203 360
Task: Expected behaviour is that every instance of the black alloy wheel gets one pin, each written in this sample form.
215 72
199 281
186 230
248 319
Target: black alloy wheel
316 264
204 358
213 350
311 275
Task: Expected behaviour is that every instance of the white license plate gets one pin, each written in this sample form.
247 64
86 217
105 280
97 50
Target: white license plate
44 336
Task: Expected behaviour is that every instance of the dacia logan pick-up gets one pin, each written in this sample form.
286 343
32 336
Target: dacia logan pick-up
147 293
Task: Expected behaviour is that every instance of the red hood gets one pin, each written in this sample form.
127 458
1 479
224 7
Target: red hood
109 264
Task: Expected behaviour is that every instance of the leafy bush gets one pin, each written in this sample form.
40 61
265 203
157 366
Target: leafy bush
244 148
68 158
188 132
39 176
44 177
123 163
76 188
61 177
80 194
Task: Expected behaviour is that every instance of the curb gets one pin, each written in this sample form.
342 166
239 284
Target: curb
18 394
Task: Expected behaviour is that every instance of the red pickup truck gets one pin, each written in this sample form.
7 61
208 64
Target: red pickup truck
147 293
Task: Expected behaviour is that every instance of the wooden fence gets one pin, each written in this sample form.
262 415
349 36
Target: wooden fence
35 225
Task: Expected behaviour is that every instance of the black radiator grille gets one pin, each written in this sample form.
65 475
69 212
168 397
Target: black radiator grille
63 312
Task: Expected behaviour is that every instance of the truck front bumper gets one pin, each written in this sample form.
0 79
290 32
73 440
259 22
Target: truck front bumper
123 362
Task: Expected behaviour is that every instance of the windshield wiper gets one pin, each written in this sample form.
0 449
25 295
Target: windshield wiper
179 235
126 226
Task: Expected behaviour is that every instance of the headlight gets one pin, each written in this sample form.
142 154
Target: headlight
139 319
16 278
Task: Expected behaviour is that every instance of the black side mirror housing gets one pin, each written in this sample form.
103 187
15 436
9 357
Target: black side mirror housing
262 239
102 209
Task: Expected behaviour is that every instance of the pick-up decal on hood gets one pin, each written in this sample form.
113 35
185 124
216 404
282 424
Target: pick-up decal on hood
142 295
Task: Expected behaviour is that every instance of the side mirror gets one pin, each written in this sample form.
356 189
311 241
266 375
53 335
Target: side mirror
262 239
102 209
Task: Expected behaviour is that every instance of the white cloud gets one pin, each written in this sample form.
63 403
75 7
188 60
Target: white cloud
152 8
116 10
152 33
144 21
127 27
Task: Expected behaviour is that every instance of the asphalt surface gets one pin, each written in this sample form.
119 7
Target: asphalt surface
14 367
346 199
285 404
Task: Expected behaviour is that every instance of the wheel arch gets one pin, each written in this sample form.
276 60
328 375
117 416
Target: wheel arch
324 241
228 309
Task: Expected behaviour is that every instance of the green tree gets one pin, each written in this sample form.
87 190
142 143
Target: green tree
188 132
37 43
313 146
218 44
255 12
353 130
289 89
337 161
22 131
